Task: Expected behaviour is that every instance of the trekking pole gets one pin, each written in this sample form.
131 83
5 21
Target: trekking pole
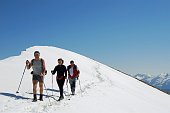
21 80
52 85
47 95
67 86
80 87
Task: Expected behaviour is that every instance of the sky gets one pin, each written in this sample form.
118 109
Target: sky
129 35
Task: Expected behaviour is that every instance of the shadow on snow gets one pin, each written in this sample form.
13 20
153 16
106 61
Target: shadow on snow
13 96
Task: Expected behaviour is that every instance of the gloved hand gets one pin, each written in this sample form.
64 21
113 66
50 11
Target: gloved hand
27 62
52 72
45 72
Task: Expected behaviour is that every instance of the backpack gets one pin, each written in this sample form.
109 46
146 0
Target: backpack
42 61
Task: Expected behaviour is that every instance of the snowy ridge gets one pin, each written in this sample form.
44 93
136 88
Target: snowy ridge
103 88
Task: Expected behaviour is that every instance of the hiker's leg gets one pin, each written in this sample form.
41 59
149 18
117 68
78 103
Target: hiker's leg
41 84
61 87
34 86
71 84
74 86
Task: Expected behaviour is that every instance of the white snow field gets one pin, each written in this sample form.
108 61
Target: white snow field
104 90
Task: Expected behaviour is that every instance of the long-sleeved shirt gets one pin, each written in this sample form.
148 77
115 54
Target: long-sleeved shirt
61 71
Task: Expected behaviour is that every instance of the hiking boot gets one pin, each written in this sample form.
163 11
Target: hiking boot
73 93
61 98
35 98
41 97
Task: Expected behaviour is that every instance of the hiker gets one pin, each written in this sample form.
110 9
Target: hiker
73 74
61 76
39 70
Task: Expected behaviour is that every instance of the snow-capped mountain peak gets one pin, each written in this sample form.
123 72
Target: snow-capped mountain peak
161 81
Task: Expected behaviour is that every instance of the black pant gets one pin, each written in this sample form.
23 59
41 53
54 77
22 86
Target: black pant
60 85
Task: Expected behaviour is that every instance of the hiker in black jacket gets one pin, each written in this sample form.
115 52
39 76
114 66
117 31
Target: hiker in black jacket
61 76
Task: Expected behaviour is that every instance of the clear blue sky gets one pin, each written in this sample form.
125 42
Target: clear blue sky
130 35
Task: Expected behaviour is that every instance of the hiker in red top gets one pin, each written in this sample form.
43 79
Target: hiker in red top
73 74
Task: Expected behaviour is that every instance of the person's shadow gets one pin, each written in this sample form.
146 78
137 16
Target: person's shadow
16 97
13 96
54 90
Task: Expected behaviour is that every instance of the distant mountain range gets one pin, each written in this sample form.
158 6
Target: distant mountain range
161 81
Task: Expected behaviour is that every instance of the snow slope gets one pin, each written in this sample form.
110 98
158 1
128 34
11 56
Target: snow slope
104 90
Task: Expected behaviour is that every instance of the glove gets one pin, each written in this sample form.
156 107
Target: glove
27 62
45 72
52 72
